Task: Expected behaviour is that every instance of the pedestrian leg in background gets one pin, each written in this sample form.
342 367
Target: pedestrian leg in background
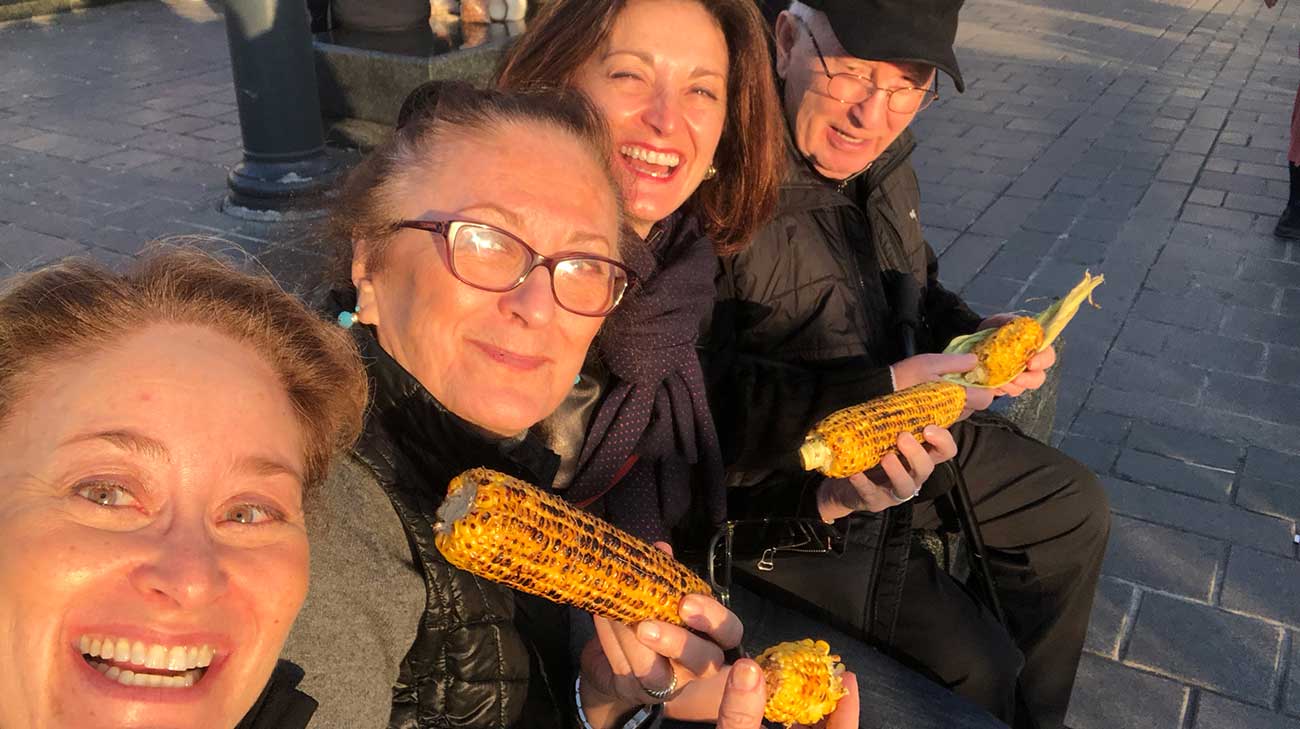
1045 521
1288 226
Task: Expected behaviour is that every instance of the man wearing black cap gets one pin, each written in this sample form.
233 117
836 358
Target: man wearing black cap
827 307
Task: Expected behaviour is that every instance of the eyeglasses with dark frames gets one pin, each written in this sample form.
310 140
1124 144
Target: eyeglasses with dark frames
850 88
491 259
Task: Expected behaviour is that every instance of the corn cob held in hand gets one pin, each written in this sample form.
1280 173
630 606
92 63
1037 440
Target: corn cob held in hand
507 531
803 681
854 439
1005 351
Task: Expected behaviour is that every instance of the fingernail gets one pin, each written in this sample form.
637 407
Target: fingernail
649 631
689 609
744 676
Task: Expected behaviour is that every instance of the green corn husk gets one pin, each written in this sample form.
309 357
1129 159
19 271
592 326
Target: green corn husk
1052 319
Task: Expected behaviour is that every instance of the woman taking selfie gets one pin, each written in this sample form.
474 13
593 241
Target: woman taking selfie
161 432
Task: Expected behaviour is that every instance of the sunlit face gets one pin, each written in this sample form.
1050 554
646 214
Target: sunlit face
839 139
661 80
152 548
502 361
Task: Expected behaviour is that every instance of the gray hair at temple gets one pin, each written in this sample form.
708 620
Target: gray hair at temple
434 112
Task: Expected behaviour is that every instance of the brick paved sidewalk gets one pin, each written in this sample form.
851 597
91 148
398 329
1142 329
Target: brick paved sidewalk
1143 139
118 125
1147 140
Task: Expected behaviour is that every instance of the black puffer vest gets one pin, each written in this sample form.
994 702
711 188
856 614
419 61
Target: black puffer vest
475 662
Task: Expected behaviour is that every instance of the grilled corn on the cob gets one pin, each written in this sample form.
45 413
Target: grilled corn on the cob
803 681
507 531
854 439
1004 354
1051 321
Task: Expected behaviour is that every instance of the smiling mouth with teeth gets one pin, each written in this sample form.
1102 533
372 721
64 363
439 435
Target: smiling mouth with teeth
654 164
151 665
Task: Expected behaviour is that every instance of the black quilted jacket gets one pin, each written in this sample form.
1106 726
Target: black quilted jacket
486 657
808 321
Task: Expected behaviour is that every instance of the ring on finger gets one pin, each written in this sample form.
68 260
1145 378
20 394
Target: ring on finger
898 500
666 693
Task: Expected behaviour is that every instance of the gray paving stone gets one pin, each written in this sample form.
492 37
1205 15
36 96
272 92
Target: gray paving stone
1201 645
1195 140
1138 373
127 159
1145 337
1163 200
1215 352
1272 465
1262 326
1185 445
1166 559
1216 712
1261 204
1263 585
1218 217
62 145
21 248
1202 196
1256 398
1291 700
1220 521
1267 497
1280 273
1290 305
1188 478
1242 184
967 255
1004 217
1101 426
1194 312
1110 610
1095 454
1109 695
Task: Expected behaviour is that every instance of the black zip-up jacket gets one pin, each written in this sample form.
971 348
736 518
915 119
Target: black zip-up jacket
807 321
485 657
281 705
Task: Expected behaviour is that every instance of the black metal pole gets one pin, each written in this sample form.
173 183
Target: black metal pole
274 71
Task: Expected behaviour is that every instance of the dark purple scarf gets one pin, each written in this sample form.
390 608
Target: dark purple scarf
655 406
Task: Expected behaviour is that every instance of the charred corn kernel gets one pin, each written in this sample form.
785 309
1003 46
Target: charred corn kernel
507 531
854 439
803 681
1004 354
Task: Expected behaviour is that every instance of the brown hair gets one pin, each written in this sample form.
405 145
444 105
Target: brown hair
77 305
751 154
432 113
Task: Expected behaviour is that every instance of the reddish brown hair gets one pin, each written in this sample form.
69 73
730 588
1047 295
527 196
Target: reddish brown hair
79 306
751 154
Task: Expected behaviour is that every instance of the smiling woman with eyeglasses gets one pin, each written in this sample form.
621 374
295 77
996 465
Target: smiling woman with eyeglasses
479 251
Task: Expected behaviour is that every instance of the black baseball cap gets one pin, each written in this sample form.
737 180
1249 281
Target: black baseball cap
911 31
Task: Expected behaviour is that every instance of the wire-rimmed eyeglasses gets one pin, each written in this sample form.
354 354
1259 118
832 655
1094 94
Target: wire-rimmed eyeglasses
850 88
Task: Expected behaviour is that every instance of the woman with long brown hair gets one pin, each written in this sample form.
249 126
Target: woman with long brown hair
686 89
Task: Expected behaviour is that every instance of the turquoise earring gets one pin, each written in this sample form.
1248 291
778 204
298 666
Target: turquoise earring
577 379
348 318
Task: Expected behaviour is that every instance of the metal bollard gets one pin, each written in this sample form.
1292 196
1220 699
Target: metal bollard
285 160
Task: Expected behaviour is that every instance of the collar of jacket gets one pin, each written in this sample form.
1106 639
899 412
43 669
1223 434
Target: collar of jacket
404 416
281 705
805 189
